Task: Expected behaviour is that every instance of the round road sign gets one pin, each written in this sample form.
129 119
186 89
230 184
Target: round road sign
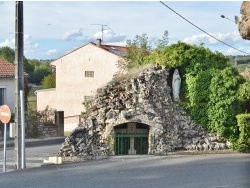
5 114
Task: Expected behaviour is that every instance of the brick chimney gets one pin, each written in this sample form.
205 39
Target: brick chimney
98 42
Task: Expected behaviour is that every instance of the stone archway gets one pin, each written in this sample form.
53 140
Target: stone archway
131 138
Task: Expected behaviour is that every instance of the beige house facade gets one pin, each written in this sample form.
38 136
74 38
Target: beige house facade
78 75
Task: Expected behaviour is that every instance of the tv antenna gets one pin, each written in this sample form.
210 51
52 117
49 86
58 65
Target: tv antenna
103 28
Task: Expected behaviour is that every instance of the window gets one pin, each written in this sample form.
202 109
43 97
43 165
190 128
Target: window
2 96
88 98
89 73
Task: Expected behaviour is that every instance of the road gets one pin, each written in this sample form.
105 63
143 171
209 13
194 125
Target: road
192 171
34 156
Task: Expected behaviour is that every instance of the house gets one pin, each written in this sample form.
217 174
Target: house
7 84
78 75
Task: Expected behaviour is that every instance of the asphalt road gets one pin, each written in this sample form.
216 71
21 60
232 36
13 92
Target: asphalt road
193 171
34 156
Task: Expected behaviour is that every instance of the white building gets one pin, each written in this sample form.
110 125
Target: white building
78 75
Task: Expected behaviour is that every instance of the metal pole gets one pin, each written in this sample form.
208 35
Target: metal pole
19 79
23 129
4 149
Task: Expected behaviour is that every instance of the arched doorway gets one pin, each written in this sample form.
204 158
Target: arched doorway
131 138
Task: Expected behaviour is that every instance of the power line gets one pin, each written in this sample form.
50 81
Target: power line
202 29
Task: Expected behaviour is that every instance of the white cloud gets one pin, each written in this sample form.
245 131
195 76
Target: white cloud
229 38
52 51
111 37
29 46
8 42
73 35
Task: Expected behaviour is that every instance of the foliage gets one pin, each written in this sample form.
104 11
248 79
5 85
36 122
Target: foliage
198 95
8 54
133 72
243 143
36 69
209 85
244 96
37 118
139 50
49 81
223 105
244 91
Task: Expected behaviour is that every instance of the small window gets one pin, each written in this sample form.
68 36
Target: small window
88 98
2 96
89 73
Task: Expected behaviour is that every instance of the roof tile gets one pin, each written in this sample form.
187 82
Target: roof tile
7 69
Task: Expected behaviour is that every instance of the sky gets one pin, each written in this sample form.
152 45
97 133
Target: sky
54 28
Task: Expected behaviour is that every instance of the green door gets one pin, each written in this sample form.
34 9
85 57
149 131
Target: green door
122 143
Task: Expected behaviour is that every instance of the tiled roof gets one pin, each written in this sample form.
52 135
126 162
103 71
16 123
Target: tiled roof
7 69
117 50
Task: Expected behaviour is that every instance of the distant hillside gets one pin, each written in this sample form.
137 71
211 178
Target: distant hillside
242 62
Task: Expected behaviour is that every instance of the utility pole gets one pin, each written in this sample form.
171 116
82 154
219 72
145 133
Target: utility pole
19 80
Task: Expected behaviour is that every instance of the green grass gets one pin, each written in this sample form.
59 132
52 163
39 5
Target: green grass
32 98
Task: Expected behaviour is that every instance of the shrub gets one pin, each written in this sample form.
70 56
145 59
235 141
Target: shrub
243 143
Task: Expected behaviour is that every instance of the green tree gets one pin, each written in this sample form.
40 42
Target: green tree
49 82
139 50
40 71
8 54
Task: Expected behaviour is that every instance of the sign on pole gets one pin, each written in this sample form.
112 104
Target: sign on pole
5 115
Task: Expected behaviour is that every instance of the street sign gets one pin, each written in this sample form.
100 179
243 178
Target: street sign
5 114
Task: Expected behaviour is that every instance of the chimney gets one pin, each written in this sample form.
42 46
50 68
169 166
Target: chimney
98 42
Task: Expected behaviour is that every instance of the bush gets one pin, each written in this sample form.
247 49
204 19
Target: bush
243 143
39 118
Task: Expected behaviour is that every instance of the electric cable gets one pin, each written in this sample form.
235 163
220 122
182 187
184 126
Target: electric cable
203 30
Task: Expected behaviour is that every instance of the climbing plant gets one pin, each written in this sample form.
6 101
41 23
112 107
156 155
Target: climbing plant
209 86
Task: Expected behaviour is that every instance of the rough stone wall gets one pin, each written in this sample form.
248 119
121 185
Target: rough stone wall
146 99
49 131
244 24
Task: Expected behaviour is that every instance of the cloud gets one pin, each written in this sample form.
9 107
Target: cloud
52 51
29 46
229 38
110 37
8 42
73 35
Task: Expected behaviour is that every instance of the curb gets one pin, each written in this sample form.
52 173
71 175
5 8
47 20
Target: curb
36 142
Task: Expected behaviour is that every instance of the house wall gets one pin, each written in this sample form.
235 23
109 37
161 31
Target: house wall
71 83
46 97
9 84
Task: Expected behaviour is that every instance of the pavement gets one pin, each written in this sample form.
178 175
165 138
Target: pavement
34 142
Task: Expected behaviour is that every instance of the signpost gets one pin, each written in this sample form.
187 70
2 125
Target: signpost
5 115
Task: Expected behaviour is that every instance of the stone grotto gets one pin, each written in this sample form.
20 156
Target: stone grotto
138 116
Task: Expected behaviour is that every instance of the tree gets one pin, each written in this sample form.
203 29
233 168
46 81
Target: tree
49 82
40 71
139 50
8 54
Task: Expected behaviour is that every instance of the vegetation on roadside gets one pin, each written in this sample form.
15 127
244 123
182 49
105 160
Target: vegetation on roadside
210 84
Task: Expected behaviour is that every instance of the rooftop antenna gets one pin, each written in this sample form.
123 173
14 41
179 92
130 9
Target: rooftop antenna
103 28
